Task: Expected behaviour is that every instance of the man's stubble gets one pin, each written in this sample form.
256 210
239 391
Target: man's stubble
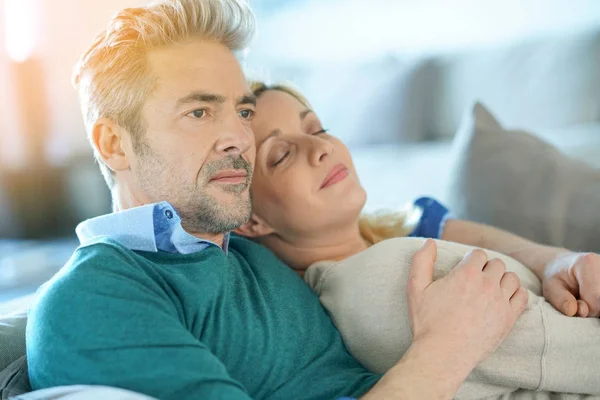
200 212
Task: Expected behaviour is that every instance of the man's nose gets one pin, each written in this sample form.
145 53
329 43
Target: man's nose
234 139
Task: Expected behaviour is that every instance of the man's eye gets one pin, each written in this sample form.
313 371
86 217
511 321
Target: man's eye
247 114
199 113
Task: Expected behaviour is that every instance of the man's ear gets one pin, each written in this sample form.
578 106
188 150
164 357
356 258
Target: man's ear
108 139
254 228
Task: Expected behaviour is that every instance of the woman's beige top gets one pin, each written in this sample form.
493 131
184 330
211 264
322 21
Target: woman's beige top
546 351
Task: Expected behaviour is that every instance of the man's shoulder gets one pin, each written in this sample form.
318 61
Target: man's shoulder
100 247
96 258
90 266
100 276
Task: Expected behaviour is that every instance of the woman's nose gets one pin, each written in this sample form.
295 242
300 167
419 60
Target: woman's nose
320 149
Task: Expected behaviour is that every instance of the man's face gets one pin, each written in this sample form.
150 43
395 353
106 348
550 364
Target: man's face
198 149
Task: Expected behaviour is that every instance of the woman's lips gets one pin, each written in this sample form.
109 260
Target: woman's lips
337 174
230 176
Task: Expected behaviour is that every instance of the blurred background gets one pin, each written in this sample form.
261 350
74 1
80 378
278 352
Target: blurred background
391 78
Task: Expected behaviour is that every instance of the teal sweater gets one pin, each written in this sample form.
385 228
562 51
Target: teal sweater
207 325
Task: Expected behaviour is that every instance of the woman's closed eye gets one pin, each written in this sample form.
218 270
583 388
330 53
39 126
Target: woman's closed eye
320 132
281 158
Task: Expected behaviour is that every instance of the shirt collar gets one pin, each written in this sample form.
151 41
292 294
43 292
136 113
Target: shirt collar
151 227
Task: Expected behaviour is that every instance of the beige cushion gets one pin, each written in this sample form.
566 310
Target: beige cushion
515 181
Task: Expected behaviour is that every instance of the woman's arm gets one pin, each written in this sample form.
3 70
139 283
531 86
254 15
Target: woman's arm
570 280
533 255
456 321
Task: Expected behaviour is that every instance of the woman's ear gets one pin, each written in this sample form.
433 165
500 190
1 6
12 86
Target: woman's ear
254 228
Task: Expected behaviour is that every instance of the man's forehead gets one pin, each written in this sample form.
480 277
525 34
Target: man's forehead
197 66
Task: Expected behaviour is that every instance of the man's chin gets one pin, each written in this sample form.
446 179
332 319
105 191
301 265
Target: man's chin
226 192
230 198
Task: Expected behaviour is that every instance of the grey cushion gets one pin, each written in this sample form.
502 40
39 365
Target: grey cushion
12 338
14 379
13 366
517 182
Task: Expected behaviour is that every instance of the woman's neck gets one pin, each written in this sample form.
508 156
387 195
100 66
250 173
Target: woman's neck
300 252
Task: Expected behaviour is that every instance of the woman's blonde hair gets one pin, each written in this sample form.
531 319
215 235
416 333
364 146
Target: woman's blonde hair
374 227
112 77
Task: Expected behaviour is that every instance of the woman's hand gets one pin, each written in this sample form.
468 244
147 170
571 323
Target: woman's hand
571 283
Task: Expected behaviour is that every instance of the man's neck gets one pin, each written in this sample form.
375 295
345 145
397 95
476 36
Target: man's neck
123 199
216 238
299 253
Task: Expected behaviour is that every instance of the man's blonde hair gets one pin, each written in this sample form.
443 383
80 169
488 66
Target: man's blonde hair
112 77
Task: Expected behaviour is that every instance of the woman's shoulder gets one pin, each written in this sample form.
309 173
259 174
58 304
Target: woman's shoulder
388 255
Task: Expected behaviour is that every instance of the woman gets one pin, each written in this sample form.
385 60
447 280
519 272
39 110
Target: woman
307 209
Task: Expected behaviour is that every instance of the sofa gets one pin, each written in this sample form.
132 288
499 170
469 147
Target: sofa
401 117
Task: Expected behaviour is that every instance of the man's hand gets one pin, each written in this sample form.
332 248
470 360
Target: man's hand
457 321
471 310
571 283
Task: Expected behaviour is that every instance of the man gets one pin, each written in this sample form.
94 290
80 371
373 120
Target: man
160 300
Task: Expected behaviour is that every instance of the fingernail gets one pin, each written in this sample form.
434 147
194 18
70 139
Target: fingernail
425 243
566 307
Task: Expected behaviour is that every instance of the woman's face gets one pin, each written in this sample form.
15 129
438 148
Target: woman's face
304 179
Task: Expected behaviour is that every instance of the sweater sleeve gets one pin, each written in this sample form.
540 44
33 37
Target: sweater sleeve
104 322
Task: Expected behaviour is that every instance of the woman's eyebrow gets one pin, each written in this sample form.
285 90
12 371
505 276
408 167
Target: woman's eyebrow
304 113
274 133
277 132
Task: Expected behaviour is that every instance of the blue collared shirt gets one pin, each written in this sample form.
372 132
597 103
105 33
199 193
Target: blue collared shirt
153 227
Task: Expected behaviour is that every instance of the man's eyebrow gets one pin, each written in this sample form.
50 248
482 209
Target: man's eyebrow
201 97
248 98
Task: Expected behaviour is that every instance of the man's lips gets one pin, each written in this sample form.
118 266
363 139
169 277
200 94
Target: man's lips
337 174
230 176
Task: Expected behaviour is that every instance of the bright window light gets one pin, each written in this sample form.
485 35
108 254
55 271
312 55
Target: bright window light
20 28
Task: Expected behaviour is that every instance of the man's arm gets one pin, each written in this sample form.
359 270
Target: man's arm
105 322
424 372
457 321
